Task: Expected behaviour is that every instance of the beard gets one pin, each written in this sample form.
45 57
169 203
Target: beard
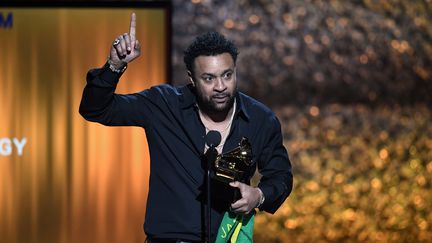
210 106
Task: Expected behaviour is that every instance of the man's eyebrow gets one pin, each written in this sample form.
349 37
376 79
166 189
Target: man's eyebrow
214 75
208 74
228 70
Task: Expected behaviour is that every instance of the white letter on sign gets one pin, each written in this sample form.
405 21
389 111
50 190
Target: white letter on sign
5 146
20 145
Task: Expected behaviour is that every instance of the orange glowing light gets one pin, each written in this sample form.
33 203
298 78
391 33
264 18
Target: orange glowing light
229 23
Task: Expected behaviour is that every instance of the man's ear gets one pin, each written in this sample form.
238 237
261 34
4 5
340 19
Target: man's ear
191 78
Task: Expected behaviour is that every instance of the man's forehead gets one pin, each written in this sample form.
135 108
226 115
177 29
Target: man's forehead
215 63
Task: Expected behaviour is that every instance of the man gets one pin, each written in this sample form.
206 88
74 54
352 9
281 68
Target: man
176 120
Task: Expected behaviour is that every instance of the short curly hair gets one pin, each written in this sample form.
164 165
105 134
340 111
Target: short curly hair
209 44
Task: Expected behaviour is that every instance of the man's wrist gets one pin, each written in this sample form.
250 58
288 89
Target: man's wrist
261 199
117 68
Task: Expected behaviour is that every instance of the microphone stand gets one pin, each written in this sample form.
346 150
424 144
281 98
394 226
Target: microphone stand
211 157
213 139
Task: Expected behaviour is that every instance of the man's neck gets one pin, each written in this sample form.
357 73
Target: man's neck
217 117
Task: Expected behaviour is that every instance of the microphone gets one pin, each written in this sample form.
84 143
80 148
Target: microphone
213 138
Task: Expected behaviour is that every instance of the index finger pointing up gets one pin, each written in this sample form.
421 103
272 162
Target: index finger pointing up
132 30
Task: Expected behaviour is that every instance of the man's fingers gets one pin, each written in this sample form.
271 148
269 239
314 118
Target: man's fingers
128 42
240 206
120 46
235 184
132 30
239 203
239 185
123 46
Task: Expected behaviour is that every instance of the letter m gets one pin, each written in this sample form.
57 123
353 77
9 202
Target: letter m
6 22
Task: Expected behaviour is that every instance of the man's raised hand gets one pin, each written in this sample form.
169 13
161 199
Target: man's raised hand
125 47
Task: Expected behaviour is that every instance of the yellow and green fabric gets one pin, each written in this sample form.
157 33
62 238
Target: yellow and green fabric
236 228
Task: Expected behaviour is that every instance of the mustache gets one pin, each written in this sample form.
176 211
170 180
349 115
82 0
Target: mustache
221 95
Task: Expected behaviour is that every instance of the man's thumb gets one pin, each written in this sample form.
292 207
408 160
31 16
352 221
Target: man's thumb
137 45
234 184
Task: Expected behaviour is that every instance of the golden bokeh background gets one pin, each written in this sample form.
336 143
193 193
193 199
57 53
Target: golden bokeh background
361 174
75 181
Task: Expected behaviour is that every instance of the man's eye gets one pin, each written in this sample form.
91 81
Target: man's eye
208 79
228 75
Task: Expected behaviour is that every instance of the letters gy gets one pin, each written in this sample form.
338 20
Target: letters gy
7 145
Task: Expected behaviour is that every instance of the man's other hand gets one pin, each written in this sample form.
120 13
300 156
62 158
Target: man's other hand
250 198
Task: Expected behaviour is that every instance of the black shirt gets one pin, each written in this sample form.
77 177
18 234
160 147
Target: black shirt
175 136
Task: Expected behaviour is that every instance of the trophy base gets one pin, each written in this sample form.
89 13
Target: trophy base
222 191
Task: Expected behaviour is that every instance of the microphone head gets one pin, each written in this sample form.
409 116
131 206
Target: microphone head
213 138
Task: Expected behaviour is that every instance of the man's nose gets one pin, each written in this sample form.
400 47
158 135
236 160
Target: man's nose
220 84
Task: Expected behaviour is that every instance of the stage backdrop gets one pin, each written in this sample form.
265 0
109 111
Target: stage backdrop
63 179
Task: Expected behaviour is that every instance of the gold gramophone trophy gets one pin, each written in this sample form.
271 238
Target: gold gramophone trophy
232 165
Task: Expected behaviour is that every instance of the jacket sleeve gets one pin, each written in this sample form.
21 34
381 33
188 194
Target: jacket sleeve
100 104
275 167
